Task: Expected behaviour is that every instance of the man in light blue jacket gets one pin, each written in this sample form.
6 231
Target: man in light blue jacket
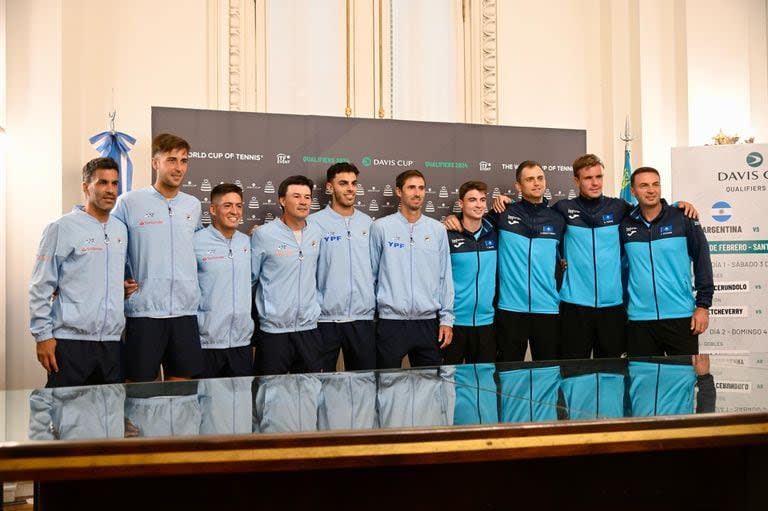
344 277
76 290
284 267
414 293
224 271
161 280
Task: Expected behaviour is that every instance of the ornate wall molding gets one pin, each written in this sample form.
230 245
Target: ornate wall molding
235 59
488 48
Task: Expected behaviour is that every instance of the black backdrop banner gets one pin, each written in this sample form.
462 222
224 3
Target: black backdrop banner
257 151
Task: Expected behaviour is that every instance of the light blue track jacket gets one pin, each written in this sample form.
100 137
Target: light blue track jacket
81 260
161 256
77 413
224 273
284 274
344 276
412 264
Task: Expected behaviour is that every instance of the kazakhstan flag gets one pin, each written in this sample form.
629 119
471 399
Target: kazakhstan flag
625 193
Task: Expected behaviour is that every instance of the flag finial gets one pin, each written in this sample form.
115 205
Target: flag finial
627 135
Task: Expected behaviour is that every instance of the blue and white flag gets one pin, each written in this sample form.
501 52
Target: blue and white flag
626 194
115 145
721 211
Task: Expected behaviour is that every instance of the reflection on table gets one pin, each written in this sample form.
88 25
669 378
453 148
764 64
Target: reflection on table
423 397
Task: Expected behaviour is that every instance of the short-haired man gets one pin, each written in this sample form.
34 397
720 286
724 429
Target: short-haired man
224 272
473 265
592 304
660 244
76 290
414 287
161 309
284 272
592 313
344 278
530 234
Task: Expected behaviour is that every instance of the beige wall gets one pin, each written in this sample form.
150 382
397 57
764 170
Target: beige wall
64 58
682 69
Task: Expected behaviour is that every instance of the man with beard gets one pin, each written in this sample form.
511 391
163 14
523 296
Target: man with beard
76 290
414 285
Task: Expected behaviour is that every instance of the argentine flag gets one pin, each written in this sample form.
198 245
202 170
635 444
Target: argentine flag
721 211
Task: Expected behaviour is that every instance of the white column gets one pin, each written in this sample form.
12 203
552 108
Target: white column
662 85
34 116
306 57
720 60
427 61
3 210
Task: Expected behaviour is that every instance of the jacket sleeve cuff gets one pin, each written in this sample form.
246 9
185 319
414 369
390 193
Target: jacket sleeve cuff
43 336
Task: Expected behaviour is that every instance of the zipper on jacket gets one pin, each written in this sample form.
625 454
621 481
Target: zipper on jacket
298 307
410 252
234 404
530 392
594 262
656 395
234 281
477 385
173 263
477 283
347 222
597 395
530 297
653 273
106 293
106 410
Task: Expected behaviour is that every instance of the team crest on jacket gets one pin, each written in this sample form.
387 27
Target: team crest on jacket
608 218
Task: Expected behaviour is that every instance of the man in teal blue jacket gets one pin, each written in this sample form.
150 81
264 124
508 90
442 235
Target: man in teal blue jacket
473 265
661 245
